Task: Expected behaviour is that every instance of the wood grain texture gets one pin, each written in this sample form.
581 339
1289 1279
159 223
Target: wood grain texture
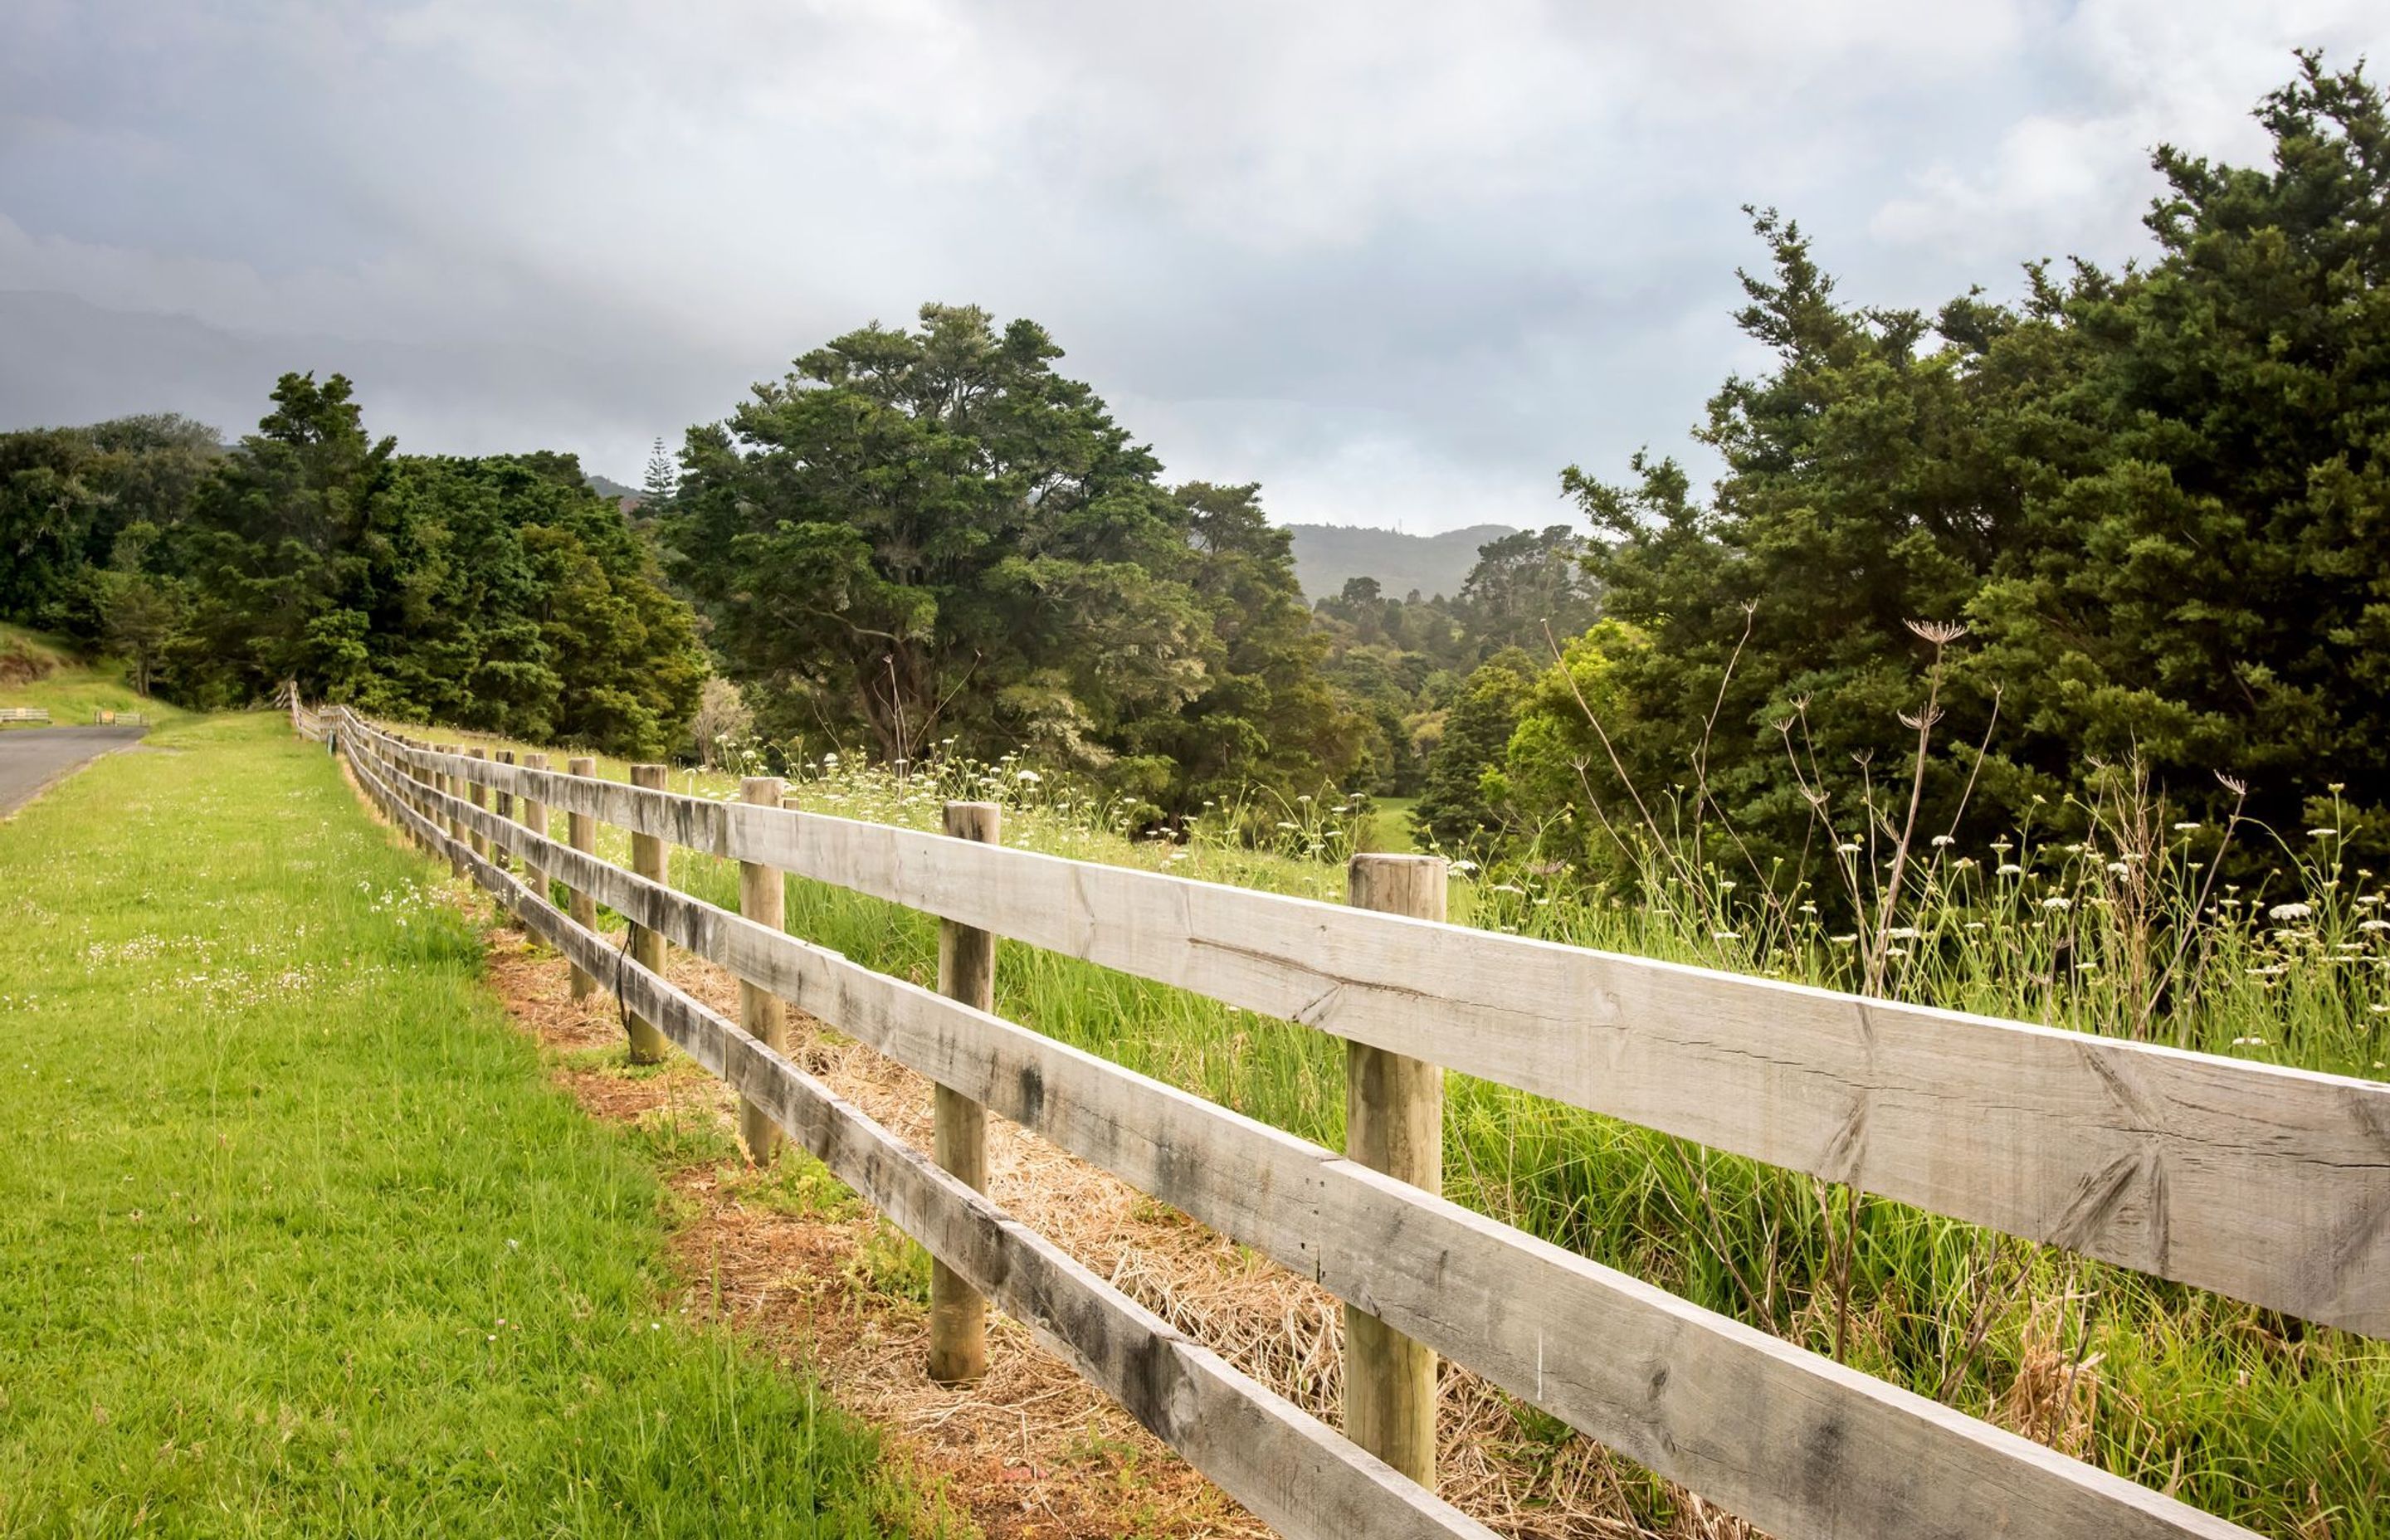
652 860
1393 1123
1293 1472
534 818
2266 1184
764 898
1785 1438
581 831
958 1125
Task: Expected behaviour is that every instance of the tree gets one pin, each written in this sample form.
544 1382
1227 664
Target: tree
2157 497
1466 800
142 618
285 540
1525 587
931 534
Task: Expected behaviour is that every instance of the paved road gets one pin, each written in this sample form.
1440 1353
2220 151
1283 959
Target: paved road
31 756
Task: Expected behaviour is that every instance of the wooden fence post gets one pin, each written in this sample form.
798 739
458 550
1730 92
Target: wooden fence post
581 833
764 898
965 972
1393 1123
502 802
649 859
534 818
449 786
479 795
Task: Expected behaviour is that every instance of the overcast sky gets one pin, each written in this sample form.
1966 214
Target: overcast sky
1400 263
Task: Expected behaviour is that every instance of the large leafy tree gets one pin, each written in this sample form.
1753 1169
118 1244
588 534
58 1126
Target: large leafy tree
2157 497
931 534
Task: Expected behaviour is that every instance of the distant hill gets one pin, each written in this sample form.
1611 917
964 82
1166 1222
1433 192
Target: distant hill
615 490
1325 555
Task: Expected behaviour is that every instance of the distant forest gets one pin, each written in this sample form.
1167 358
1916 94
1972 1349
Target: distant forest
1959 567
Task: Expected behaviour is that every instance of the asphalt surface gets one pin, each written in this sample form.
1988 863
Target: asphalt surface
33 757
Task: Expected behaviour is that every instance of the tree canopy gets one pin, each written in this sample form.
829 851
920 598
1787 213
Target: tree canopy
498 594
931 534
2156 498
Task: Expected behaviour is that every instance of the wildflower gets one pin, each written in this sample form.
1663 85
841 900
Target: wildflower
1848 848
2118 867
2323 834
1941 840
2289 911
2191 827
2056 901
2374 924
1726 935
1464 866
1031 776
1904 932
2010 868
2248 1041
1845 941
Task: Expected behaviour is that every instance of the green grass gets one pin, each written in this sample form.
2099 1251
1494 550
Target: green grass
73 691
1390 826
295 1236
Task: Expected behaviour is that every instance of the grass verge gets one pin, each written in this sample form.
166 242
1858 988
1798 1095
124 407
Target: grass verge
44 671
297 1238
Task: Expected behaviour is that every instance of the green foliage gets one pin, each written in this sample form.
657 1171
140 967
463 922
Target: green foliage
2156 496
78 502
929 537
1467 796
497 595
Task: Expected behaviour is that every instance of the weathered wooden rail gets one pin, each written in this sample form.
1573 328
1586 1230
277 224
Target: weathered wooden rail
2270 1184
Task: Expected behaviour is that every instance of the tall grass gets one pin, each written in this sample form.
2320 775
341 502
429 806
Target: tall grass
2269 1421
295 1236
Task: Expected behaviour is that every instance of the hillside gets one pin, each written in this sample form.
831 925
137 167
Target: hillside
36 669
1325 555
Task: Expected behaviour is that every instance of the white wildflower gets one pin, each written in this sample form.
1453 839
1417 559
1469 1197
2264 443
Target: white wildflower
2289 911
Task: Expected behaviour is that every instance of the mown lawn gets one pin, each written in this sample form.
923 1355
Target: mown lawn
294 1237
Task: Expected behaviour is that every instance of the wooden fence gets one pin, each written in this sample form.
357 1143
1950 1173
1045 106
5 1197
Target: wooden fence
2269 1185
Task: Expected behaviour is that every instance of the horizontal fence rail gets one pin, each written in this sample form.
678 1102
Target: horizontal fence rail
2270 1184
1783 1437
1296 1473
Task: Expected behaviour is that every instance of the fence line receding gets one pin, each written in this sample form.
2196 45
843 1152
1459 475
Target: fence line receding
2267 1184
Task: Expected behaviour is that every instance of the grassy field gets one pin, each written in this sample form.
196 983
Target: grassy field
73 691
295 1236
